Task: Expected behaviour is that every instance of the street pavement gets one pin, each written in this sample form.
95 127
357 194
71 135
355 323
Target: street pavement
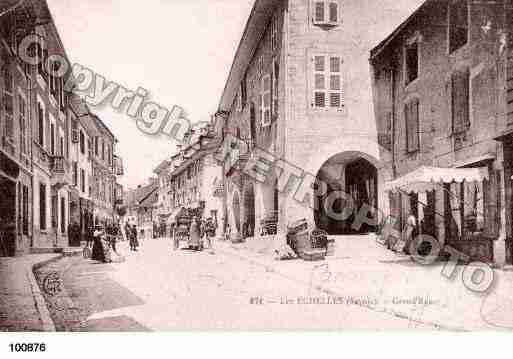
158 289
242 287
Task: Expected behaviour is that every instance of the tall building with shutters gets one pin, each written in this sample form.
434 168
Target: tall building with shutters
299 90
442 99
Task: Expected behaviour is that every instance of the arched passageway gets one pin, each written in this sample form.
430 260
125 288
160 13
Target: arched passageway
248 224
351 182
236 211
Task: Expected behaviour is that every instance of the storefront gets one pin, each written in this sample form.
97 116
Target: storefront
9 172
454 205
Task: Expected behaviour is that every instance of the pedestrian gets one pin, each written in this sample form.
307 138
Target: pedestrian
195 234
134 243
98 253
210 232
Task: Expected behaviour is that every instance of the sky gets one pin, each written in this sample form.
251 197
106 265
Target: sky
179 50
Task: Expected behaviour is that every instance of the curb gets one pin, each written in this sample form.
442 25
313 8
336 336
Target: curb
39 300
329 291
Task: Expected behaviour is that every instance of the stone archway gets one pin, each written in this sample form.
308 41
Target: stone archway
249 218
350 181
236 211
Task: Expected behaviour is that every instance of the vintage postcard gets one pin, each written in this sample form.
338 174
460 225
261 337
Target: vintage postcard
268 165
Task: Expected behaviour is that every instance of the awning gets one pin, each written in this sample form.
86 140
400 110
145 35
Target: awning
428 178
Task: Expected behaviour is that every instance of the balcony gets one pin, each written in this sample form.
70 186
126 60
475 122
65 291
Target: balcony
59 168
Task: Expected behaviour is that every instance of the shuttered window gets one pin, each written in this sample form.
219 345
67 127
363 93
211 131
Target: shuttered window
23 124
8 103
275 87
319 11
326 12
41 124
460 83
412 126
265 109
328 85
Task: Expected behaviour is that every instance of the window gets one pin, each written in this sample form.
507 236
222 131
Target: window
326 13
42 55
8 102
75 173
328 86
411 116
458 24
23 125
103 150
82 181
412 61
61 146
275 87
460 83
52 139
265 109
41 124
42 206
25 210
63 215
82 143
96 152
244 91
274 33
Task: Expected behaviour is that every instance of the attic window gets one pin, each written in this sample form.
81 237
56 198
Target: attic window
458 24
326 13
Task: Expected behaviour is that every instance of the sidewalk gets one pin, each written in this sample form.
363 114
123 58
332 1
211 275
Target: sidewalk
22 307
373 277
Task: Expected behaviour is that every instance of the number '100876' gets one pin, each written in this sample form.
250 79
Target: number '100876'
27 347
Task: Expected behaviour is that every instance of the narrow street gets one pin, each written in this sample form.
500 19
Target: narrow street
157 289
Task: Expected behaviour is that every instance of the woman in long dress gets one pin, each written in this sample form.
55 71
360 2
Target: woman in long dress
195 235
98 253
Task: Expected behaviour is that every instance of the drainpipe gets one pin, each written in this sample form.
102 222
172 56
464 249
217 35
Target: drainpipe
394 167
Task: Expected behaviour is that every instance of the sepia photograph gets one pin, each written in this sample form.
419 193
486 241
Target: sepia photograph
255 165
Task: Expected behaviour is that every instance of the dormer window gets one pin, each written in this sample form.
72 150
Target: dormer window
326 13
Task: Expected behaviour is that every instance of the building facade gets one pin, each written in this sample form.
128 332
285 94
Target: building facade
104 172
192 179
45 170
294 96
441 98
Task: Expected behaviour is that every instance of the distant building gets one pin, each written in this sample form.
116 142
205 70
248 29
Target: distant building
192 179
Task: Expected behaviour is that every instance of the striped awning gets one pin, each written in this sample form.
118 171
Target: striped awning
428 178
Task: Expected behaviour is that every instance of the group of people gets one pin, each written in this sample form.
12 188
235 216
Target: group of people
201 233
103 242
131 234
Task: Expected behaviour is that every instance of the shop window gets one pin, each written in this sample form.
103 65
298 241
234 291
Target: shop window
458 24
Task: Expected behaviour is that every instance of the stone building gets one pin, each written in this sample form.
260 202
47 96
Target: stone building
442 104
296 91
104 172
191 179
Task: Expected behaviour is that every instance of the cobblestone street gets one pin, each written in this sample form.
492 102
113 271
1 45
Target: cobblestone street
157 289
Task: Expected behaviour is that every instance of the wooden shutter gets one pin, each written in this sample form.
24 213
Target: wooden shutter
412 126
319 11
333 8
460 102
